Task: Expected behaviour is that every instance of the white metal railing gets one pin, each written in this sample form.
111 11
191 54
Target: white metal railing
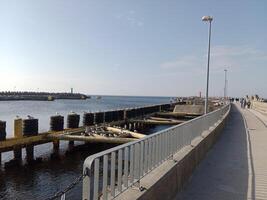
110 172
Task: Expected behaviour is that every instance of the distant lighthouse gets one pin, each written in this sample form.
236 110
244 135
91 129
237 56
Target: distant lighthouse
71 90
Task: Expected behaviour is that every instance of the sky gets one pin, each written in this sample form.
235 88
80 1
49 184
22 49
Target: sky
138 47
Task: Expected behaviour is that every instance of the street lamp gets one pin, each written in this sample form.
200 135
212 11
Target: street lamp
207 19
225 84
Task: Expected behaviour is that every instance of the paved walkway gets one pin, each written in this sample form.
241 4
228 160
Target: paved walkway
236 167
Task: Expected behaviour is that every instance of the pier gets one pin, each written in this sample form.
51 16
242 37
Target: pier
123 127
220 155
236 167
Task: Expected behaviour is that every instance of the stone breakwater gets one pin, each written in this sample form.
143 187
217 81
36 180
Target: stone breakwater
39 96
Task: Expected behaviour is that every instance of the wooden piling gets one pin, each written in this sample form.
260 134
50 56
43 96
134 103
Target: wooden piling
2 135
18 128
99 117
108 116
121 115
73 120
88 119
2 130
17 151
29 128
56 124
29 153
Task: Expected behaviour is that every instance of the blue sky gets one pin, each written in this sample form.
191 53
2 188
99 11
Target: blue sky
120 47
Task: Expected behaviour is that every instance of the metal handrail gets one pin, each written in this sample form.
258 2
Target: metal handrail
125 165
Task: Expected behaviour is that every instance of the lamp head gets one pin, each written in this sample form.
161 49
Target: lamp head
207 18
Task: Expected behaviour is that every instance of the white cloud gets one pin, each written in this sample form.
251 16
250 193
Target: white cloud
182 62
233 51
131 18
236 57
221 57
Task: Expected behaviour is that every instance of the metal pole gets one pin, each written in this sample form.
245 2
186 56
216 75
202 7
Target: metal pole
225 84
208 69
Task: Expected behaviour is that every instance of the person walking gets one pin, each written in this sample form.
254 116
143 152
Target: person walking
242 103
248 104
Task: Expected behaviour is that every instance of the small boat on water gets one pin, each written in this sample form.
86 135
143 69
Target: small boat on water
98 97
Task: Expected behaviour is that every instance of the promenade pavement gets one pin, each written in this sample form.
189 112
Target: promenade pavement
236 166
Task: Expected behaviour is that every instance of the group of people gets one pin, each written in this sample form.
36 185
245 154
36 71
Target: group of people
245 103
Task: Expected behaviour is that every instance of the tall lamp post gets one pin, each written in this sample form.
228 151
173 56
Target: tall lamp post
209 20
225 84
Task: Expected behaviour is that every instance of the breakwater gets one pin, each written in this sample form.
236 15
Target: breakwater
39 96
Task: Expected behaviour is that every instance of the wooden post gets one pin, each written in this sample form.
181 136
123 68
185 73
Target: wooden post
29 128
18 128
56 124
17 152
73 122
56 146
2 135
17 134
29 153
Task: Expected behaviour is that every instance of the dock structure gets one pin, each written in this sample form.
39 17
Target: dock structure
114 126
220 155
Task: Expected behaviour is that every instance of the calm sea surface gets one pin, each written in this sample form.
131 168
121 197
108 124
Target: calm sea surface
43 180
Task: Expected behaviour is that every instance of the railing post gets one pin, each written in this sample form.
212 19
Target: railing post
86 185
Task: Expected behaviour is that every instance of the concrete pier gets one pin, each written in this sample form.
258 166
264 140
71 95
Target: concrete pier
236 168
